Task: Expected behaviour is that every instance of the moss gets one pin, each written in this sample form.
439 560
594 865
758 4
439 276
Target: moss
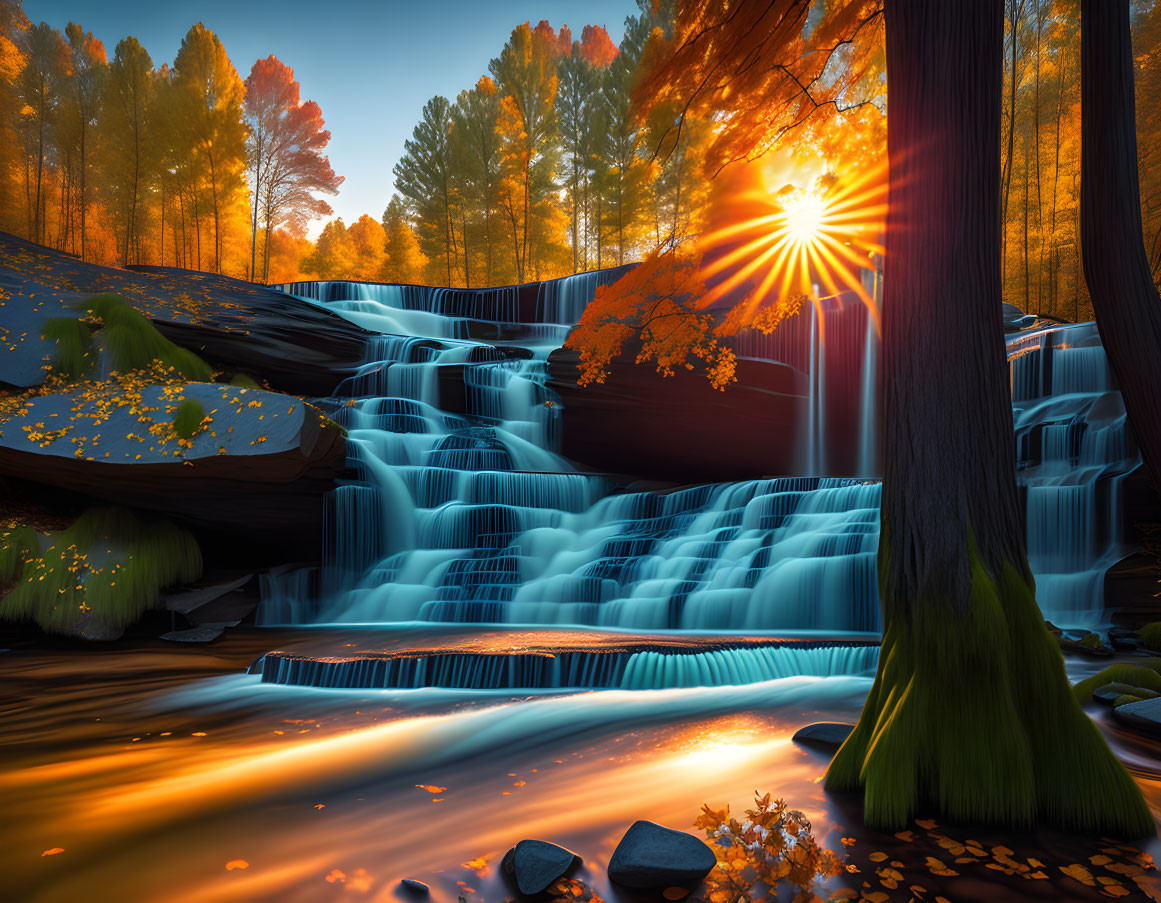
242 381
327 424
1135 675
73 358
188 419
1091 641
109 565
17 545
1150 635
131 342
970 718
1126 699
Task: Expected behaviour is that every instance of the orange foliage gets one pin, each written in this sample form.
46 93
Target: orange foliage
596 46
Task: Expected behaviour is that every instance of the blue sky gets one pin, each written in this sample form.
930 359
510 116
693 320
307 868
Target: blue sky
370 66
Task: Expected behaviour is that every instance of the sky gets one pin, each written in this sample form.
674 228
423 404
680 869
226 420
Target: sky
371 66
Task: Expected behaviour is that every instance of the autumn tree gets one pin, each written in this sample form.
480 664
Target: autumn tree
13 24
130 161
334 255
369 244
525 75
89 69
38 93
404 262
287 169
1116 268
209 90
577 97
970 715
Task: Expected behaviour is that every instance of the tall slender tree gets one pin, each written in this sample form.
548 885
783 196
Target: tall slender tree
130 162
1116 268
423 178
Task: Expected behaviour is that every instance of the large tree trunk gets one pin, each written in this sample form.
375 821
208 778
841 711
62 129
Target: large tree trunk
971 716
1124 298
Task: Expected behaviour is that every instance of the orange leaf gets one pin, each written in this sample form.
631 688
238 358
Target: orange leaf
237 864
53 851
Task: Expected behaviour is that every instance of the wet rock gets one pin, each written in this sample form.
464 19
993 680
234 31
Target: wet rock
415 888
1123 639
1144 716
652 856
203 634
827 734
535 864
1084 642
1109 693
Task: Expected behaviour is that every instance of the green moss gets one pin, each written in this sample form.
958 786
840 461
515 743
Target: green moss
188 419
970 719
109 565
132 343
1135 675
1126 699
73 358
1091 641
1150 635
328 424
242 381
17 545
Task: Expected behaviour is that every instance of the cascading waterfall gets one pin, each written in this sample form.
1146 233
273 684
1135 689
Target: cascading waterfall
463 512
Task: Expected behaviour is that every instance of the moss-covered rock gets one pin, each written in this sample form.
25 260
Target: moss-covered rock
1145 674
1110 692
99 575
1150 635
189 417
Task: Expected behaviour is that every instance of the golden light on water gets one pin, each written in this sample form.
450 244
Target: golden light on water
774 240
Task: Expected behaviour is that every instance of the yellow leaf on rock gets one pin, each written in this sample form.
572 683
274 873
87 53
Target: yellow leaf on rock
237 864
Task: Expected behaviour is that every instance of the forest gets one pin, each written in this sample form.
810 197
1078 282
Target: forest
543 168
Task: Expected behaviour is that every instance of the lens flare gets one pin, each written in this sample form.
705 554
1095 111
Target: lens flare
774 245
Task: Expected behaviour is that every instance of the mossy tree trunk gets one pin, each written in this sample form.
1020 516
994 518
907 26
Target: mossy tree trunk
1116 268
970 717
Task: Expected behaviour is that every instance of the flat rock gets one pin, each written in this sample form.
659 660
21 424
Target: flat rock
652 856
1109 693
535 864
186 600
829 734
1144 716
417 888
203 634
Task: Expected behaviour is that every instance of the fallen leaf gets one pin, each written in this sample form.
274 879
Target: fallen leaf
53 851
237 864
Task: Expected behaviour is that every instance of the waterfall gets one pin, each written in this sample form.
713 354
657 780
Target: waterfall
462 511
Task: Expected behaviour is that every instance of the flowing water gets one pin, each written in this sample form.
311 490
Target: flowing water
463 512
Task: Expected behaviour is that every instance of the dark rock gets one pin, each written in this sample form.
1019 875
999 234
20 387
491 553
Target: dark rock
189 598
418 888
651 856
203 634
535 864
1109 693
827 734
1144 716
1123 639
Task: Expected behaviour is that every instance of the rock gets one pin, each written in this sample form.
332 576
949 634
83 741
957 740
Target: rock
295 345
535 864
1084 642
1109 693
1123 639
1144 716
261 480
417 888
203 634
827 734
651 856
186 600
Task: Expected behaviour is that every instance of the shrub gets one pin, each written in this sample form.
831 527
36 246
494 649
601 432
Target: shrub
73 358
109 563
242 381
188 419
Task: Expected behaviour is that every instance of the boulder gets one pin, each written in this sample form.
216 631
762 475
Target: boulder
258 468
415 888
827 734
536 864
1144 716
295 345
654 857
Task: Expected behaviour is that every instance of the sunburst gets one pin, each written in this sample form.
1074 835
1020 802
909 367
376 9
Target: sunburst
792 239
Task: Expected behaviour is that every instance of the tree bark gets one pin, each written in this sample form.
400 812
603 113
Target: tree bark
971 716
1124 298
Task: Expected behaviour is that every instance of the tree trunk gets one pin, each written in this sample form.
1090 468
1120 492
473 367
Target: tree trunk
971 717
1124 298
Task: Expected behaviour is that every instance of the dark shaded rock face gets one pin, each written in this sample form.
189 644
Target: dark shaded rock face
294 345
680 427
1143 716
824 734
651 856
535 864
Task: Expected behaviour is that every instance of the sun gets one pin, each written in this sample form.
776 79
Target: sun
804 216
775 245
